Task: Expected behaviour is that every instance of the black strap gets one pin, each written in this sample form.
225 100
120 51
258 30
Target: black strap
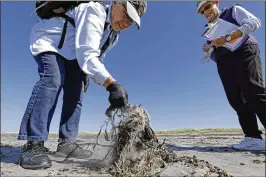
71 20
68 19
60 45
107 42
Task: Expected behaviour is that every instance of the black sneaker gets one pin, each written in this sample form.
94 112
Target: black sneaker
72 150
35 156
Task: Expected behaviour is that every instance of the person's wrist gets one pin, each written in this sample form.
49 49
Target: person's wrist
108 81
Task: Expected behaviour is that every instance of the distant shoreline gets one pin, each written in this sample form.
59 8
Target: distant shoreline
177 131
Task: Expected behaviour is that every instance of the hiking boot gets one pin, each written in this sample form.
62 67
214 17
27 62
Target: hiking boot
72 150
34 156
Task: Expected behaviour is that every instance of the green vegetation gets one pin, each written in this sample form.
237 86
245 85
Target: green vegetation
207 130
177 131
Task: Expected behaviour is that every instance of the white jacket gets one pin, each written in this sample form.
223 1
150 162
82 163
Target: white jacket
82 42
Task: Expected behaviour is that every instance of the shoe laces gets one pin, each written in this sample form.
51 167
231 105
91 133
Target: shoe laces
72 146
36 148
246 139
250 140
76 146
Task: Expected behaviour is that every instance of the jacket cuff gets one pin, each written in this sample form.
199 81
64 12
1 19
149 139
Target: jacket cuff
101 77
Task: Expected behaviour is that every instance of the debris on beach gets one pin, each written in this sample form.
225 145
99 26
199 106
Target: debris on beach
136 149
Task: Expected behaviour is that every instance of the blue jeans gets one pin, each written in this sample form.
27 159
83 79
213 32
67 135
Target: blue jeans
56 73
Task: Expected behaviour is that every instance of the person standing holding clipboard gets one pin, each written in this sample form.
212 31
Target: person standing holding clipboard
237 55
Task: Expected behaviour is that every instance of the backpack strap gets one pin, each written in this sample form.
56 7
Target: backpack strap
107 42
68 19
71 20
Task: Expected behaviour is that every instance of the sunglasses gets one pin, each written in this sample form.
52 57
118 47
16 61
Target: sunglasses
127 16
206 8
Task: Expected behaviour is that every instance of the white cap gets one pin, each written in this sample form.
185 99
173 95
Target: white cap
135 9
200 4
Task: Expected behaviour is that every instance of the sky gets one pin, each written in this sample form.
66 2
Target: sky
159 66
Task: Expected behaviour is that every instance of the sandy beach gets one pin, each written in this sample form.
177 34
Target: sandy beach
199 152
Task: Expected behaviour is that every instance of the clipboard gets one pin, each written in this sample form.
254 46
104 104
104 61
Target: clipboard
220 28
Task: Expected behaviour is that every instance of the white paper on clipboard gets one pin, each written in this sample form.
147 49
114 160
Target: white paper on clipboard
221 28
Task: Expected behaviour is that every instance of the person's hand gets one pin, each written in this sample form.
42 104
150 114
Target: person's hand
206 48
118 95
219 41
